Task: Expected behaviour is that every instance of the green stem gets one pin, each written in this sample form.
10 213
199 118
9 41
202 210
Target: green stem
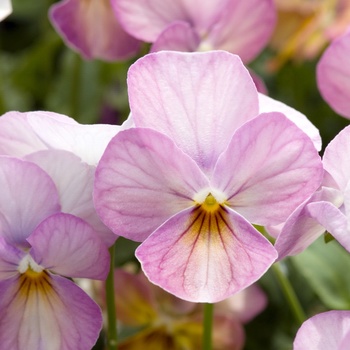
208 326
112 338
289 294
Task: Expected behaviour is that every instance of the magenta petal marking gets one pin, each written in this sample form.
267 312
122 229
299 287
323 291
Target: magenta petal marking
47 312
205 256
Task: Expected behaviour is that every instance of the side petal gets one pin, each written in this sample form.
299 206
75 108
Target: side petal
54 314
69 246
197 99
335 159
142 180
28 196
324 331
74 180
5 9
91 28
244 27
333 75
85 141
269 168
10 257
202 257
178 36
268 104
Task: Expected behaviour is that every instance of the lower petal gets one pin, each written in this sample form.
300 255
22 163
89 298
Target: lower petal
205 257
47 312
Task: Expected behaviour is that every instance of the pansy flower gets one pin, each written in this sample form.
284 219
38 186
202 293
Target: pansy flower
39 247
199 168
91 28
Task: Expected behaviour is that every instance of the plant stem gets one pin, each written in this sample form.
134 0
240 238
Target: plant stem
112 338
289 294
207 326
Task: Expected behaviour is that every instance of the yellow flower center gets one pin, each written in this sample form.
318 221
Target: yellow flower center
210 204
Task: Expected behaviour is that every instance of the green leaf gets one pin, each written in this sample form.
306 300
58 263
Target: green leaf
326 268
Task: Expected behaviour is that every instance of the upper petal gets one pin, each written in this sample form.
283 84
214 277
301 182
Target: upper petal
142 180
268 169
28 196
205 257
197 99
70 247
91 28
267 104
333 75
52 313
324 331
244 27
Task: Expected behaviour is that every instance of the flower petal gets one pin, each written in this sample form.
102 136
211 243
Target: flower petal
333 75
74 180
70 247
85 141
267 104
91 28
197 99
268 169
5 9
324 331
244 27
335 159
52 313
28 196
178 36
10 257
204 257
142 180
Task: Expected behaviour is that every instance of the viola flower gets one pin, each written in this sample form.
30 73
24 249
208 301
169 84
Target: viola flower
199 168
38 245
328 209
333 75
163 319
91 28
5 9
67 151
240 27
325 331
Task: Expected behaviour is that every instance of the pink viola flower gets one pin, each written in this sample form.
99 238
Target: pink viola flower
199 168
333 75
67 151
325 331
39 308
91 28
240 27
5 9
328 209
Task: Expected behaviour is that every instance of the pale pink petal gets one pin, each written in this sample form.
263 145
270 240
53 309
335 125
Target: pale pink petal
245 305
202 257
178 36
91 28
301 229
267 104
85 141
70 247
325 331
142 180
28 196
74 180
5 8
197 99
333 220
333 75
336 160
243 28
269 168
10 257
54 314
